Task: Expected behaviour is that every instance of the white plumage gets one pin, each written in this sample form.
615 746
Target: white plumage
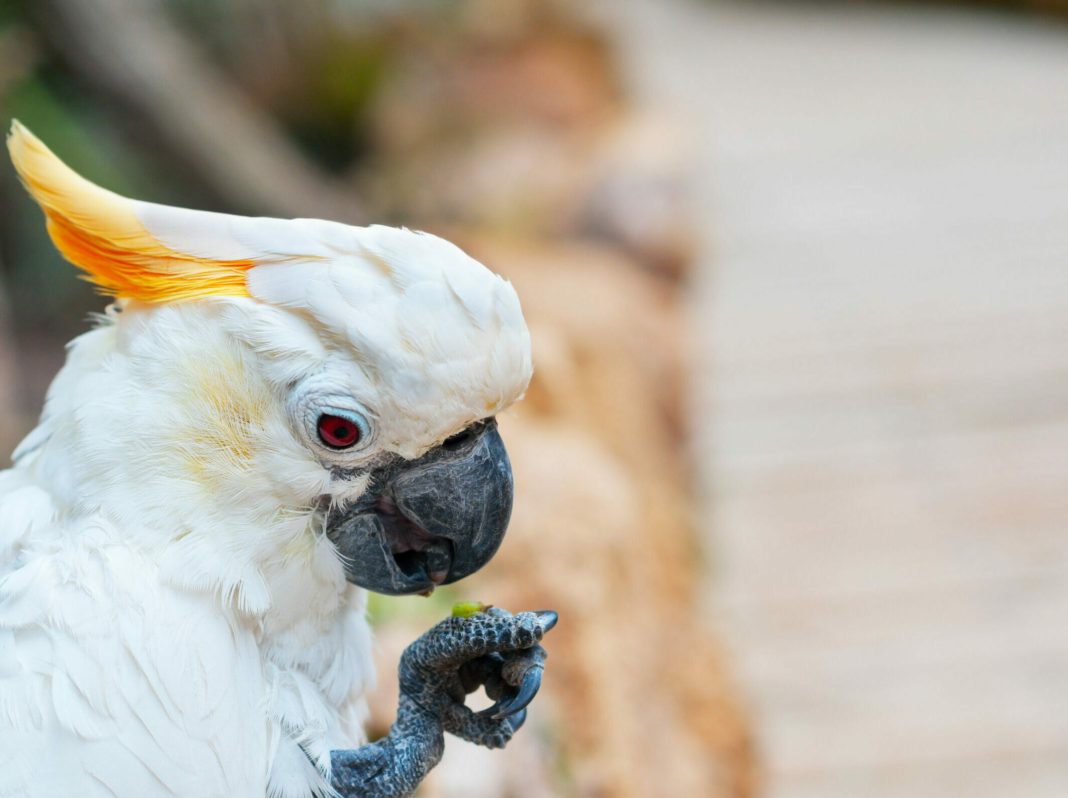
172 619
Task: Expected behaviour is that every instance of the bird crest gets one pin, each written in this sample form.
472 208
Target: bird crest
105 235
437 325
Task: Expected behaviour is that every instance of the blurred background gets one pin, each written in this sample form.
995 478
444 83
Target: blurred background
794 465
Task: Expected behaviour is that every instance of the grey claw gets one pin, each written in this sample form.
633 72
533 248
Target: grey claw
547 619
517 720
527 690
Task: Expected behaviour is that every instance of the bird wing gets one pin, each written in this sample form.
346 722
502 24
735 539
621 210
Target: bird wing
111 684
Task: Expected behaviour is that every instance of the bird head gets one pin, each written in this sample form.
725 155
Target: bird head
331 381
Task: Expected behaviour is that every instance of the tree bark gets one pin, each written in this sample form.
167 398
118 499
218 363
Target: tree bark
135 56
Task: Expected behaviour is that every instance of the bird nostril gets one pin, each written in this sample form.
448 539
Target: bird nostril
459 439
466 435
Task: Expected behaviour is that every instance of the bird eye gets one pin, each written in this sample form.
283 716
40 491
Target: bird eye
339 432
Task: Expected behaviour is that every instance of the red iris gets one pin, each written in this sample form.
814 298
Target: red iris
338 432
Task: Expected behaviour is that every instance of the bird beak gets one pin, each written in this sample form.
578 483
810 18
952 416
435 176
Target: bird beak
430 521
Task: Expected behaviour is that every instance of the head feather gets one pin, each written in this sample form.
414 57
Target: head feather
443 335
102 233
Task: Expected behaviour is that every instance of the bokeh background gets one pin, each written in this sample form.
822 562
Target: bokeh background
794 465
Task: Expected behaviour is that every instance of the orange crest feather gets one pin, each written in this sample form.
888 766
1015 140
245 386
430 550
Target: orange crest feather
99 231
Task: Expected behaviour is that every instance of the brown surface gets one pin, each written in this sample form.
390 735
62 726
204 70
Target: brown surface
883 384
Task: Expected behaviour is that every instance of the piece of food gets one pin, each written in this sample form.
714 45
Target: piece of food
468 609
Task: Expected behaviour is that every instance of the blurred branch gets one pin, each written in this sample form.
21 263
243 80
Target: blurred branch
19 55
134 55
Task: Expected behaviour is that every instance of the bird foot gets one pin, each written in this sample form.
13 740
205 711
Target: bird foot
495 650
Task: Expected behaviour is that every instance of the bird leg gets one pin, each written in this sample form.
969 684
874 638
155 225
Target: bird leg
495 649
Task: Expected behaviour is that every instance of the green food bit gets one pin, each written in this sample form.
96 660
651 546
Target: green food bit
468 609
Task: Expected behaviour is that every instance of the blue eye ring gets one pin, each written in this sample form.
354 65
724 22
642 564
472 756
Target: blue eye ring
332 422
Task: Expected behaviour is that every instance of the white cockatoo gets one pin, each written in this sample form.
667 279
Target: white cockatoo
272 416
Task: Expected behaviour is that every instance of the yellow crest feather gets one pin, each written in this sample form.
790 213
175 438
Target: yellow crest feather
99 231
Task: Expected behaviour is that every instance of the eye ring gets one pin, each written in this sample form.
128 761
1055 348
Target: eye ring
334 425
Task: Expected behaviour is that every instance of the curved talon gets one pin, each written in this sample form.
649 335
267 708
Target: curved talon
527 690
517 720
547 619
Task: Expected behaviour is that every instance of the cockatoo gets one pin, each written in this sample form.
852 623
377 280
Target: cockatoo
273 417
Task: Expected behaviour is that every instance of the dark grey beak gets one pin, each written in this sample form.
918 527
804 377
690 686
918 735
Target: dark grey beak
430 521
